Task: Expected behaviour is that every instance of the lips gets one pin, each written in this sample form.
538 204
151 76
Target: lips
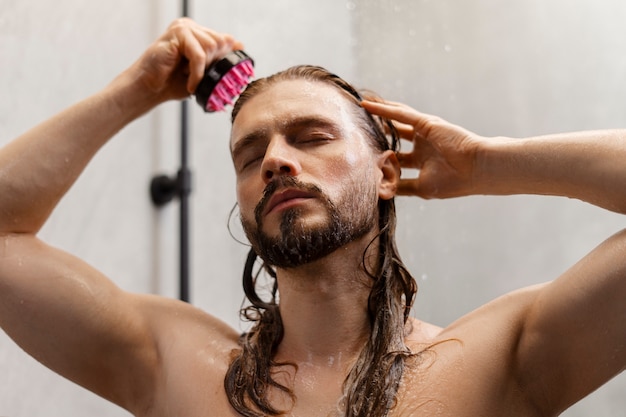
285 196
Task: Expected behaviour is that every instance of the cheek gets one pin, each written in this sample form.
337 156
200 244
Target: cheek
347 174
351 159
352 156
245 199
355 164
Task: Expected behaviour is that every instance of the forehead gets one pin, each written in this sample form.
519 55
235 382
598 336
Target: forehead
288 100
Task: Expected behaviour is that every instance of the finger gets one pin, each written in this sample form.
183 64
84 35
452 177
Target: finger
393 111
405 131
222 41
201 46
233 44
206 48
408 187
386 102
402 113
216 44
409 160
196 54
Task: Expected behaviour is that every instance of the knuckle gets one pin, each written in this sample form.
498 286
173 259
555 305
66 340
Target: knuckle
177 24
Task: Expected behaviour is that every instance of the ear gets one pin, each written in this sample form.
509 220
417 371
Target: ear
390 170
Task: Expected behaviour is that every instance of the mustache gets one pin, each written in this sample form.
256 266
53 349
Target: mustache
279 183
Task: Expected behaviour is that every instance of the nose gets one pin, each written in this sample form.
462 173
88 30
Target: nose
280 159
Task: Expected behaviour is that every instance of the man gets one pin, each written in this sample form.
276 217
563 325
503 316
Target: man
313 171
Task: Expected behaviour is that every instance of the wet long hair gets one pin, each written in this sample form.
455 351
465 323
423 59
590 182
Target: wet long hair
371 386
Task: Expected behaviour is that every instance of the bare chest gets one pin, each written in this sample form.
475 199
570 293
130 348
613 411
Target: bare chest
451 383
447 381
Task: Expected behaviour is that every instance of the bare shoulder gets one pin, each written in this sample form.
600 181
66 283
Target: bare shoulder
474 357
421 332
190 345
169 318
508 310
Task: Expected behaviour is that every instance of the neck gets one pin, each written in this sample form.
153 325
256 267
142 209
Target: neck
323 307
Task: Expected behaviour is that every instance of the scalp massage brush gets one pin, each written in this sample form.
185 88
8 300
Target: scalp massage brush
224 80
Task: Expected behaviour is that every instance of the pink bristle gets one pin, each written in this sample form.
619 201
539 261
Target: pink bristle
214 104
223 94
239 75
233 86
230 86
248 68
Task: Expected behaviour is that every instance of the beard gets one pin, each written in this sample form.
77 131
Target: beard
298 243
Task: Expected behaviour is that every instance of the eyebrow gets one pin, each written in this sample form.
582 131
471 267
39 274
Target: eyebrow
297 122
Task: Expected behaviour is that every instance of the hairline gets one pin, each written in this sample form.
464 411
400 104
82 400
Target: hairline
352 99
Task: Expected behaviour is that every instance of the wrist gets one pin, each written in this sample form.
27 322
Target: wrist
497 166
131 97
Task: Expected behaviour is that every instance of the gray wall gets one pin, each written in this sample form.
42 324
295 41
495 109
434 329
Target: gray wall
499 68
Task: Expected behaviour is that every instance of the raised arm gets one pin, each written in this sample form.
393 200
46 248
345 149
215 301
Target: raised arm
454 162
45 161
57 308
574 334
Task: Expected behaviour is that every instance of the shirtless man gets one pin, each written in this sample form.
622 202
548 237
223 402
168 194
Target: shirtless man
530 353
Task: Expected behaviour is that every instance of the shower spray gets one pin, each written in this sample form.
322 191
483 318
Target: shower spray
224 80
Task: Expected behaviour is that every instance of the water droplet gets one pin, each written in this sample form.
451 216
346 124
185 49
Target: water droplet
447 48
350 5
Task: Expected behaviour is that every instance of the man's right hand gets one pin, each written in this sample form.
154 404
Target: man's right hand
173 66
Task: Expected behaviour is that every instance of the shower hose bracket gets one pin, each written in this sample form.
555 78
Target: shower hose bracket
163 188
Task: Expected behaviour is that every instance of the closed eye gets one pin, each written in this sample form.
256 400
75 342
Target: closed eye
316 137
305 131
249 161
